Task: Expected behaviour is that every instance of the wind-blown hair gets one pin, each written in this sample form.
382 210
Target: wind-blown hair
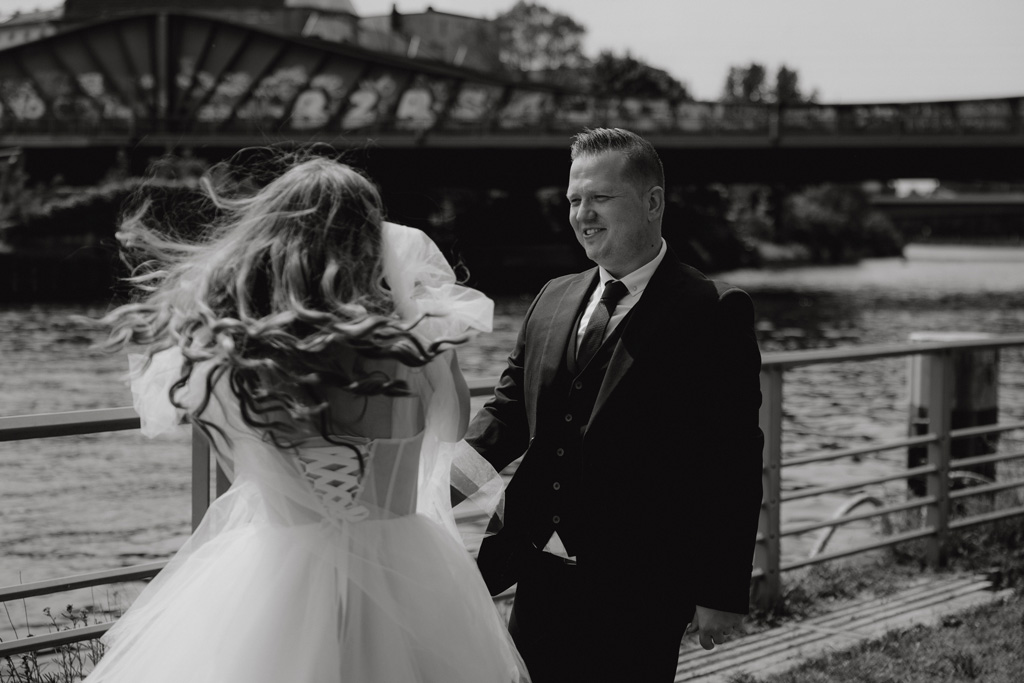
643 163
283 279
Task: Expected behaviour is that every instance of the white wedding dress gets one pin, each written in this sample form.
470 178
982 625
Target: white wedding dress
313 568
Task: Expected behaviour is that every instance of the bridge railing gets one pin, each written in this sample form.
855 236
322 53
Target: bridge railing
713 119
768 561
974 117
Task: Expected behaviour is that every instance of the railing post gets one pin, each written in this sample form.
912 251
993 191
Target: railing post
200 476
975 401
940 400
767 552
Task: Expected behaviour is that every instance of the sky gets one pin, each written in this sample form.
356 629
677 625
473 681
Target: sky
849 51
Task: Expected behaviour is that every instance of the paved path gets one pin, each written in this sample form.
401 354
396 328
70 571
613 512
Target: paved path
925 601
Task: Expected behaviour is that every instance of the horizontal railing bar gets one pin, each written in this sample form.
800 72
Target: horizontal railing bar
482 387
52 640
824 557
986 488
821 490
862 450
987 517
70 423
960 463
792 359
981 430
114 419
137 572
839 521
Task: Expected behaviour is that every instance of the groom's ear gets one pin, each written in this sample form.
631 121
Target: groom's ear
655 203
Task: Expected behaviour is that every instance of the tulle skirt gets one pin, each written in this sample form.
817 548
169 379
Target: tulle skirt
251 601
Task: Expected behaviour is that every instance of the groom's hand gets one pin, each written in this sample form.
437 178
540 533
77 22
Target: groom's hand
713 625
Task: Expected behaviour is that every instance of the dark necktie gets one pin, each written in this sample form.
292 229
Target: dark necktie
592 338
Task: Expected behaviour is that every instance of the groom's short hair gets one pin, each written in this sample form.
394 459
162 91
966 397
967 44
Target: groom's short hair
642 161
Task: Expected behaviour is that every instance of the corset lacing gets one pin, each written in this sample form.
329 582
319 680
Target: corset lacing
334 473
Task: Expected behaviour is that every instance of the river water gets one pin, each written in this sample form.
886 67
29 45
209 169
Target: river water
75 504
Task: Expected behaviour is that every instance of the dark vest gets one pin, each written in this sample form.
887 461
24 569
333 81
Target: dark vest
556 500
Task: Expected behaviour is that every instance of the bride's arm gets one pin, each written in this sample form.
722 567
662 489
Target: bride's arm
448 394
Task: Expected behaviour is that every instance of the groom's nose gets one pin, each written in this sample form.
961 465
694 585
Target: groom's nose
585 210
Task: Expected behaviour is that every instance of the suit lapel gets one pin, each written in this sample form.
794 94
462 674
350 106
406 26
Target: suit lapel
642 325
559 320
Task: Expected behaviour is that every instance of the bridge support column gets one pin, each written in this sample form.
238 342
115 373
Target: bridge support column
163 73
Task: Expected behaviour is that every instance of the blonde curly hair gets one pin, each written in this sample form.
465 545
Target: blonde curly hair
282 279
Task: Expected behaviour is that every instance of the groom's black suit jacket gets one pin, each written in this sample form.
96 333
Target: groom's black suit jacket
667 480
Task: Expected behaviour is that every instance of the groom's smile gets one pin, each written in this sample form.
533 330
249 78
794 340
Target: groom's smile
609 213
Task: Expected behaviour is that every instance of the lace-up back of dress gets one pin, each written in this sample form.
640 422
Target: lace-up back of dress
382 434
336 473
363 478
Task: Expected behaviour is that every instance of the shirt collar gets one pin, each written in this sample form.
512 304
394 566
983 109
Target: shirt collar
636 281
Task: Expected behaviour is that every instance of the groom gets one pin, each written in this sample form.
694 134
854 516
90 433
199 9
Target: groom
632 396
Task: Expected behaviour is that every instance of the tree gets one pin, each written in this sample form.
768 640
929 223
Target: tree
746 84
750 85
534 38
787 87
629 77
544 44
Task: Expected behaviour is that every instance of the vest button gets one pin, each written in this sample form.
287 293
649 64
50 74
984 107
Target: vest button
578 385
556 519
556 486
559 452
568 417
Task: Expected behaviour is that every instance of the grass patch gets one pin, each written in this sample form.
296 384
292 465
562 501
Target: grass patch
822 588
983 644
994 549
63 664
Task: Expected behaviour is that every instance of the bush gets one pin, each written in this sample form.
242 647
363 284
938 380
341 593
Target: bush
838 225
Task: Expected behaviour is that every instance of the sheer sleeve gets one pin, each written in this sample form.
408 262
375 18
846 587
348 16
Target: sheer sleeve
151 396
425 288
151 387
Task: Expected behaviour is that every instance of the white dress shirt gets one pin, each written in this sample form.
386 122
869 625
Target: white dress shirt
635 283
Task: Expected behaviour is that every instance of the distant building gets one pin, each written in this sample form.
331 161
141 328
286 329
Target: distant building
333 20
28 26
455 38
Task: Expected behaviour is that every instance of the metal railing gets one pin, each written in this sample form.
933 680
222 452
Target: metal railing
935 503
768 563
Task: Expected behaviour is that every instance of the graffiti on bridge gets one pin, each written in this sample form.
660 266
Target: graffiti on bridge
184 73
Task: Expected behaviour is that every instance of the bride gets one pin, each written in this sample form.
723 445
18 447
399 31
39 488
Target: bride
313 343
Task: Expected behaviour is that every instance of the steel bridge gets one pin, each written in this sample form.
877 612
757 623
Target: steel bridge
156 81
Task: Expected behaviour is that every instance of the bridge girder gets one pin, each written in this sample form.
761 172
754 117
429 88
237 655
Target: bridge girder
155 82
